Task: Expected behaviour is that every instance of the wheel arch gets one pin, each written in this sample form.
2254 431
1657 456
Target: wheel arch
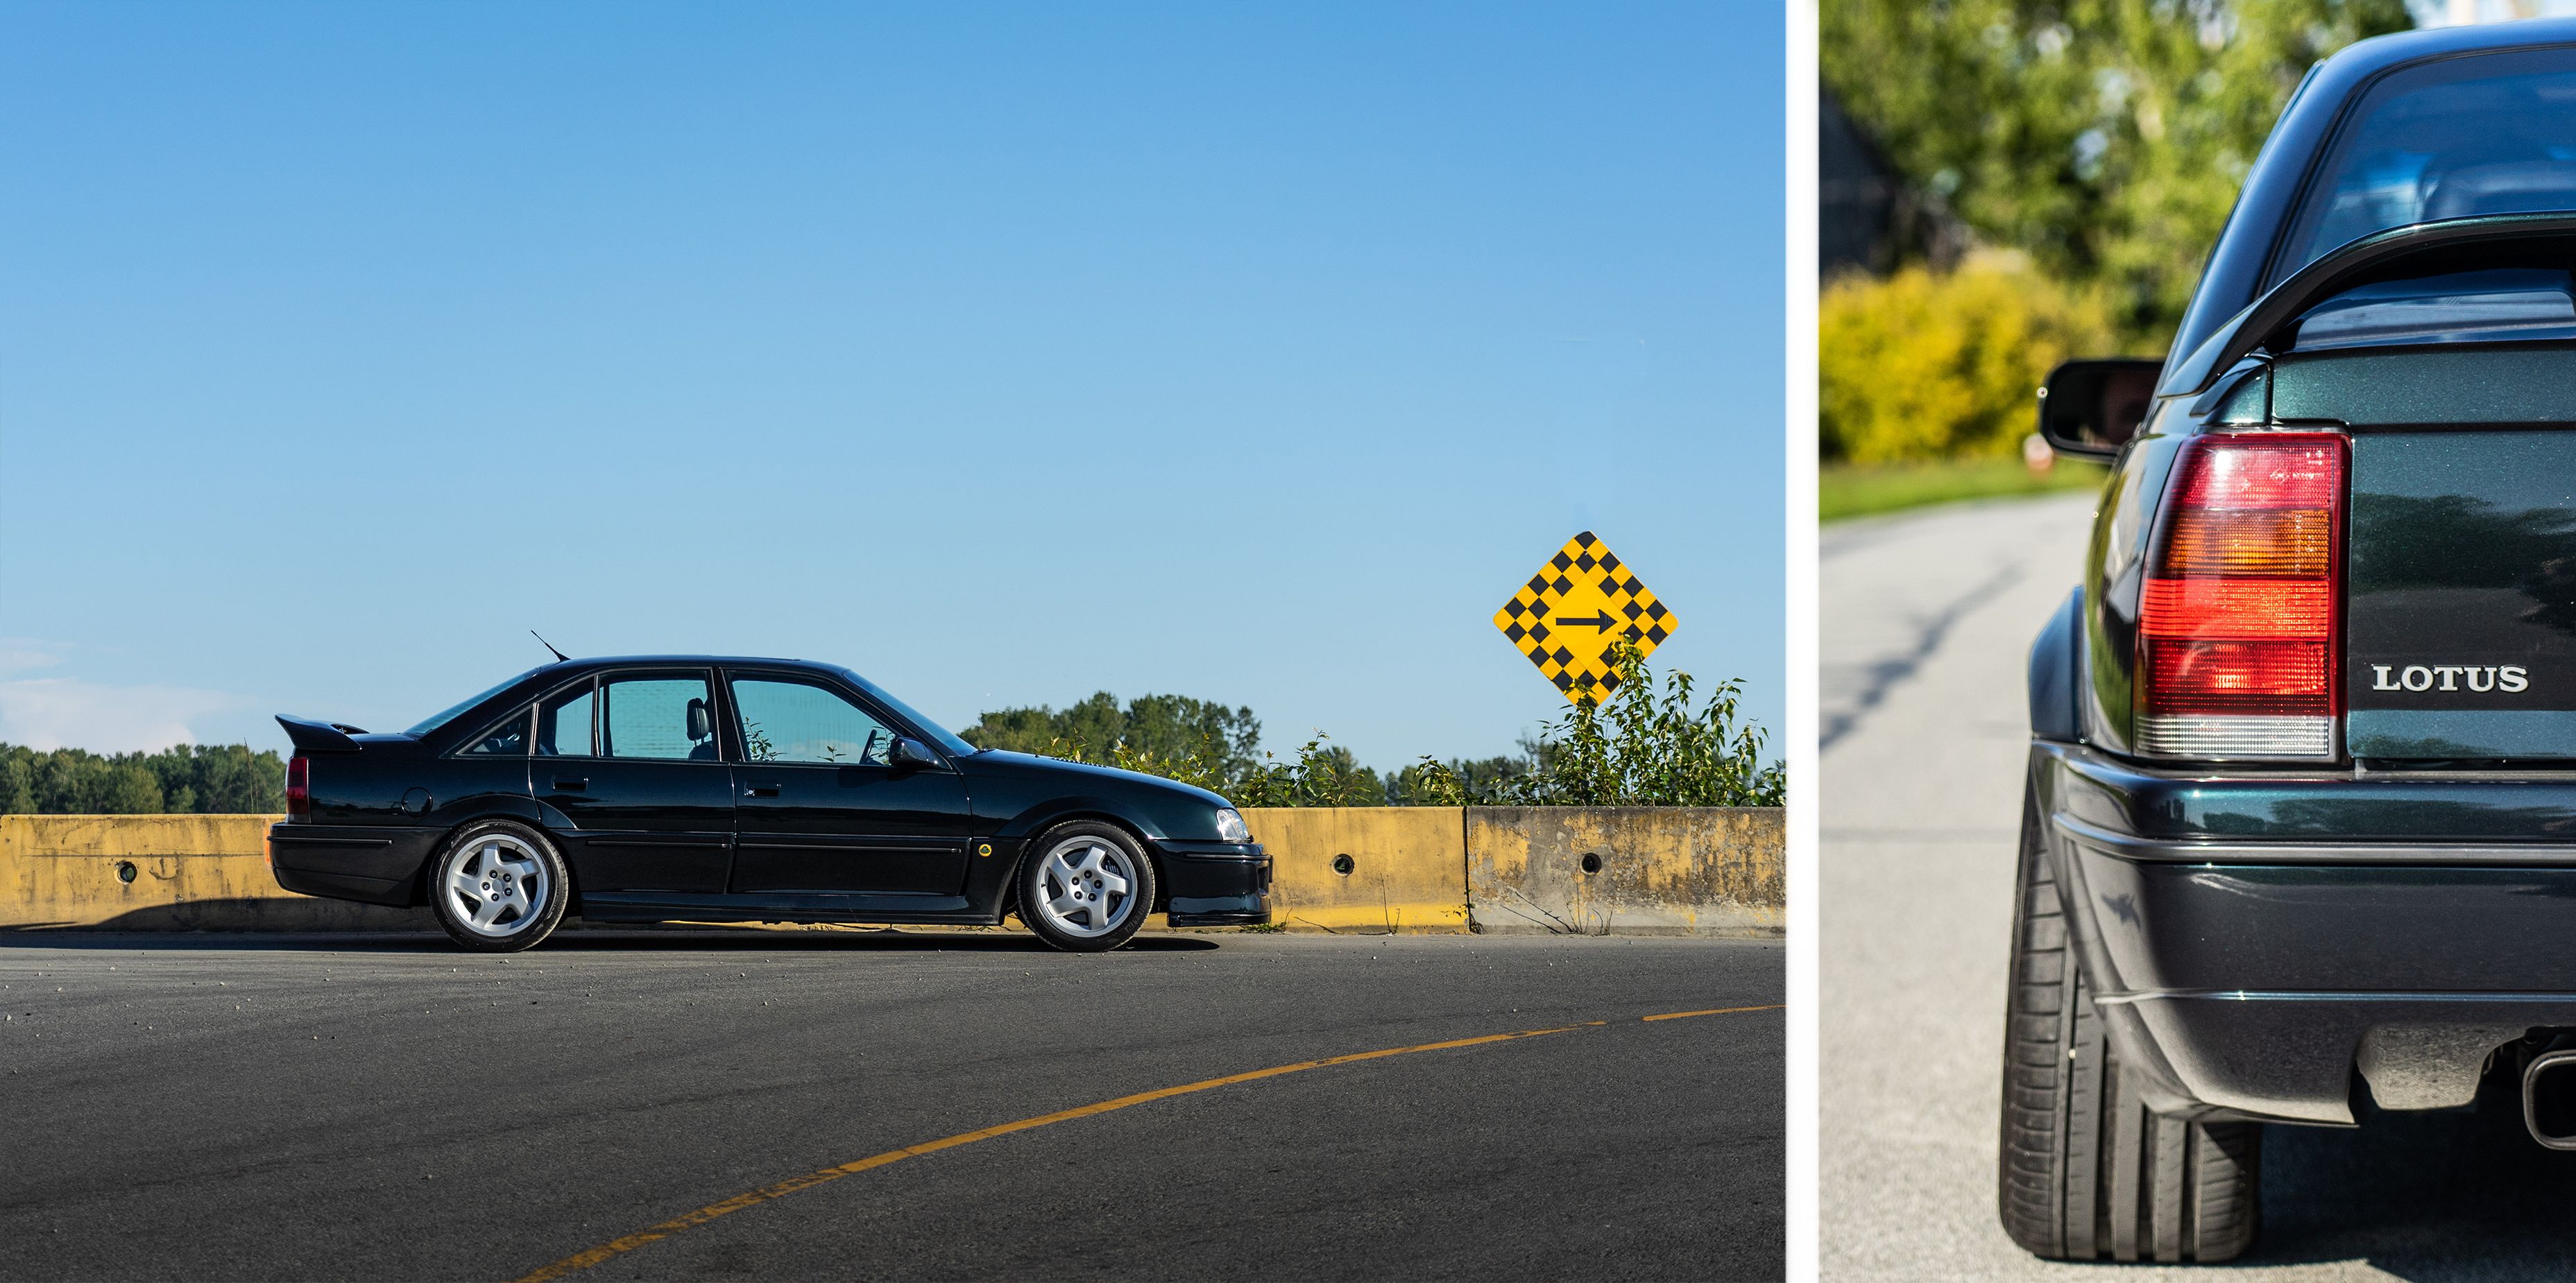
2056 674
546 820
1034 833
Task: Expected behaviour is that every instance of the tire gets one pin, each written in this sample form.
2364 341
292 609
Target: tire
1086 887
498 886
2087 1171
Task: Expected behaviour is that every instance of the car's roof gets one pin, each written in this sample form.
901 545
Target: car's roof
628 661
2382 52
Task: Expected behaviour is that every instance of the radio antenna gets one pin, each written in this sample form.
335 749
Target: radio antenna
559 655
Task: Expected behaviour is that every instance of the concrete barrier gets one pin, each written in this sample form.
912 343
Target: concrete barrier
1582 870
162 873
1368 870
1356 870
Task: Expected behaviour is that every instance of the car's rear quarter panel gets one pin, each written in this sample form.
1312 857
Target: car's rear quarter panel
379 814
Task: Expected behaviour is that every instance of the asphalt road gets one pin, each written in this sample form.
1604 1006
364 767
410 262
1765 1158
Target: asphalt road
209 1108
1927 622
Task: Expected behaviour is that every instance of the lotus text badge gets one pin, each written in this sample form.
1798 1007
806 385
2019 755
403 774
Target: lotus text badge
1579 606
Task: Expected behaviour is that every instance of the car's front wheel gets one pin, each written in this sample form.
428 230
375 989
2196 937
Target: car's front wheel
2088 1171
498 887
1086 887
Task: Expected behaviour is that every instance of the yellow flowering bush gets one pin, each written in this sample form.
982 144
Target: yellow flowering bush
1934 365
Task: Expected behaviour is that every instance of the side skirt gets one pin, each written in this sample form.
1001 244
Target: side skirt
681 906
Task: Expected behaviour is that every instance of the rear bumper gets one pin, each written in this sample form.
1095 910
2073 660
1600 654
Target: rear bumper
365 863
2263 945
1215 884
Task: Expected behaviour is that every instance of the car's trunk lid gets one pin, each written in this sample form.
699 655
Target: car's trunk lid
2460 601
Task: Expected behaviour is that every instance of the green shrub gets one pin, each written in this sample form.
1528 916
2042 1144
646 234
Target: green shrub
1318 776
1639 747
1929 365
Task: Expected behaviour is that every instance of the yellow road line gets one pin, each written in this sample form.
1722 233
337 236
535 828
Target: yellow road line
1713 1011
583 1260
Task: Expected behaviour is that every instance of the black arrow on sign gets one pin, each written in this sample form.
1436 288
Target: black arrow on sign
1603 622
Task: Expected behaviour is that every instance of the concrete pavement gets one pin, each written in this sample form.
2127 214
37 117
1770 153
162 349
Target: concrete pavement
1927 619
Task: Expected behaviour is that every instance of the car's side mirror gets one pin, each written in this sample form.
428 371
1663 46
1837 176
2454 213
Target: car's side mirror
909 754
2091 408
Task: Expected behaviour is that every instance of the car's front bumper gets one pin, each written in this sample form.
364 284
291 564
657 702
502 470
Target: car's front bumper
2271 944
1215 884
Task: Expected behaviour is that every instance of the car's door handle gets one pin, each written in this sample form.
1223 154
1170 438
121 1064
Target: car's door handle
760 790
571 786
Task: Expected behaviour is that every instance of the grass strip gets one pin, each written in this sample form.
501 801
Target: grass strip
1846 490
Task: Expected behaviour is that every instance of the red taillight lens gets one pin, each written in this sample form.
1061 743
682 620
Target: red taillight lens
299 785
2239 625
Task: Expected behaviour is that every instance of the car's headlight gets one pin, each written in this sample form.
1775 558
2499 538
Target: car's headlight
1230 826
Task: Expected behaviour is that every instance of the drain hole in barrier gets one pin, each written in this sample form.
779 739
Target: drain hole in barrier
1343 865
1591 862
125 870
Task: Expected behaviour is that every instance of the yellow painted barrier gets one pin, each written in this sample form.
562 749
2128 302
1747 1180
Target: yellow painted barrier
1590 870
1371 870
1360 870
161 873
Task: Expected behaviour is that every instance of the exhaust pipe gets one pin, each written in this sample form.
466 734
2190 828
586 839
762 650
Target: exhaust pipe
2549 1098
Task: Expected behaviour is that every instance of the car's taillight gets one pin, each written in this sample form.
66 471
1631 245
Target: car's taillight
299 785
2239 627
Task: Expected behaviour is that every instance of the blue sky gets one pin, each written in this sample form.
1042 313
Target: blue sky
1003 354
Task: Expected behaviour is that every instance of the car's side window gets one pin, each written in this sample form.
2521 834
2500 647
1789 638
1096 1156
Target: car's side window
507 739
792 721
661 716
564 722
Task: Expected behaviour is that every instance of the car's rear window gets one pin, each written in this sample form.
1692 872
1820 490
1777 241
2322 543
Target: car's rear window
2505 303
450 713
2486 134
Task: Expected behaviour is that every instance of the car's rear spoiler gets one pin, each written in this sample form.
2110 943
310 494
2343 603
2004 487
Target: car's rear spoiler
2454 244
320 737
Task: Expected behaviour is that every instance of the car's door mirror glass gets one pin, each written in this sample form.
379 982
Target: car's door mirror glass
784 721
651 718
565 721
2091 408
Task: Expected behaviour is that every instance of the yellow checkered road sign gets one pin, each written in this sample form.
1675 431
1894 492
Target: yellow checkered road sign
1578 606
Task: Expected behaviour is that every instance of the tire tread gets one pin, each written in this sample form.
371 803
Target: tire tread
2087 1171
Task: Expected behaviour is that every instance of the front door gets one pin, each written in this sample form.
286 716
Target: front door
821 807
631 758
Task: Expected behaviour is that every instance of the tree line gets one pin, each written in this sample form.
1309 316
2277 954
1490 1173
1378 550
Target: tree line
187 778
2091 151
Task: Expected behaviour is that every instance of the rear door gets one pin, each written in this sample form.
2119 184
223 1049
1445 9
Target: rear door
632 758
822 810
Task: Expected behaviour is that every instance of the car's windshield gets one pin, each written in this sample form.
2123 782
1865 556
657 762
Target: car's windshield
2490 134
448 714
947 740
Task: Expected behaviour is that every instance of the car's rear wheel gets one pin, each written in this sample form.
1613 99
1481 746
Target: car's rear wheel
498 887
2088 1171
1086 887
